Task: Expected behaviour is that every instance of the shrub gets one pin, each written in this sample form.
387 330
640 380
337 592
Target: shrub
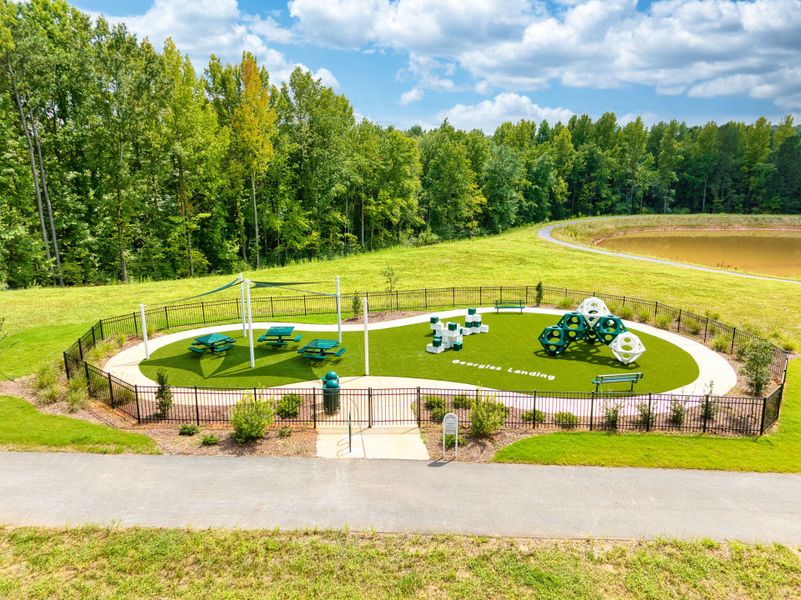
708 410
626 312
612 416
76 397
45 376
487 417
693 326
288 407
720 344
756 369
436 406
462 401
210 439
284 431
645 416
450 441
566 420
715 316
644 316
250 418
676 413
122 339
538 293
788 346
663 322
565 303
188 429
163 394
356 305
50 394
533 416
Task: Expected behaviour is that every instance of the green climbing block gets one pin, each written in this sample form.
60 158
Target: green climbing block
554 340
608 328
574 325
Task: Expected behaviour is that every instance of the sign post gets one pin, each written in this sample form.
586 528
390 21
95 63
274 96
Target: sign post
366 340
450 426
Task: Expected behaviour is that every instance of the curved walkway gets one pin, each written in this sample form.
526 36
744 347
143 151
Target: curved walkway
546 233
63 489
712 368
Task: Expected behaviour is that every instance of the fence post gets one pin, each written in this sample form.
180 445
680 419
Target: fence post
425 295
762 418
706 328
197 409
418 406
102 335
453 296
203 311
305 309
534 412
80 348
314 407
369 407
648 420
733 337
678 322
66 365
110 391
592 408
272 308
480 295
136 397
166 318
705 411
656 308
86 370
136 326
94 339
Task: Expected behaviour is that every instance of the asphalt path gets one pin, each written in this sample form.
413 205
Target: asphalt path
65 489
546 233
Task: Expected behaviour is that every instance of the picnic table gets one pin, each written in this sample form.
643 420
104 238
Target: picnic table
212 343
319 349
279 336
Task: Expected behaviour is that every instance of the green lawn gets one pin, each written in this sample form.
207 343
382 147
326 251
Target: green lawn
151 563
22 427
400 351
777 452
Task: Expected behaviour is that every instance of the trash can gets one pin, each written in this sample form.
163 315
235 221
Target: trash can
331 393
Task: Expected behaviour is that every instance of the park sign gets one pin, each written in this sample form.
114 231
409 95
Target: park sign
450 426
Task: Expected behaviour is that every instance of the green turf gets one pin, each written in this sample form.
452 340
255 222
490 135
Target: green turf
400 351
776 452
23 427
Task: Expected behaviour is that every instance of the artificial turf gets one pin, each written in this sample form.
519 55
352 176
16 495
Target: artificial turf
510 345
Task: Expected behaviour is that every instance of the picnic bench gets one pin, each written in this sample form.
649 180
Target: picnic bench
212 343
280 336
319 349
617 378
510 304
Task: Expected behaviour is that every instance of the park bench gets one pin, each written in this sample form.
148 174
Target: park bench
280 343
617 378
197 350
511 304
218 349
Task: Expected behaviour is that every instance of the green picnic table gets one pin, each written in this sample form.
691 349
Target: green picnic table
279 336
319 349
212 343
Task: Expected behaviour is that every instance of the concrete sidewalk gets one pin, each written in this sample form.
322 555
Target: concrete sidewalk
57 489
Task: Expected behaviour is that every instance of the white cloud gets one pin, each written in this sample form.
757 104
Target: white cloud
413 95
488 114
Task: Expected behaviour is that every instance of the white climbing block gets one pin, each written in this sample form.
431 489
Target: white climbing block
593 309
627 347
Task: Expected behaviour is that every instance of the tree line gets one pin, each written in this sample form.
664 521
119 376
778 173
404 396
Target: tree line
119 160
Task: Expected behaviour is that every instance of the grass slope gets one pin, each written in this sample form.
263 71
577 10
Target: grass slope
22 427
400 351
148 563
778 452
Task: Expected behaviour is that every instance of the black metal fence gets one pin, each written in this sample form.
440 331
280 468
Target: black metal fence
566 410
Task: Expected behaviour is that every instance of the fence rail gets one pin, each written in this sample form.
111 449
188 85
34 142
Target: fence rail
566 410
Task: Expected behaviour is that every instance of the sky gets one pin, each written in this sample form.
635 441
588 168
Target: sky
479 63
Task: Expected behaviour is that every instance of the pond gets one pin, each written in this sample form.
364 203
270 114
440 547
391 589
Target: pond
767 252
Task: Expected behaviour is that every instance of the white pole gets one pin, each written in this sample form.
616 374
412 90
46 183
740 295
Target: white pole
339 313
250 326
242 300
366 340
144 328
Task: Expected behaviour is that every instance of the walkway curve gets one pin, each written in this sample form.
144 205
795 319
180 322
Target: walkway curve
546 233
712 368
64 489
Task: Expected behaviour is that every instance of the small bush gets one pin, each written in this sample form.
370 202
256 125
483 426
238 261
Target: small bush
50 394
565 303
188 429
76 398
450 441
288 407
163 395
122 339
538 293
663 322
676 413
708 410
462 401
284 431
625 312
487 417
46 376
644 316
715 316
645 416
720 344
209 439
612 416
436 406
250 418
756 367
566 420
356 305
533 416
693 326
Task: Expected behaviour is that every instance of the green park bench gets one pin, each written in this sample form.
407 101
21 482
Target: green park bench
510 304
617 378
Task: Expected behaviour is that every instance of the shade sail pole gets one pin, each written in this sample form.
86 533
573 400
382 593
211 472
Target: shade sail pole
366 339
144 329
242 300
250 326
339 312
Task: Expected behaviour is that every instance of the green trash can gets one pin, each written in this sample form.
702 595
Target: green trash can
331 393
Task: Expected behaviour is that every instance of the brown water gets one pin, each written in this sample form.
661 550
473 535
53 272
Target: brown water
775 253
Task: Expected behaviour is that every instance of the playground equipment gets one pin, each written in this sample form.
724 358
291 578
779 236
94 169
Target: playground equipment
592 322
450 335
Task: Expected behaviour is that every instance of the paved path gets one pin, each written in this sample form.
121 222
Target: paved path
57 489
546 233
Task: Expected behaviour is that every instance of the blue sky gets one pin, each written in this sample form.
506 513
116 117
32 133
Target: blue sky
480 62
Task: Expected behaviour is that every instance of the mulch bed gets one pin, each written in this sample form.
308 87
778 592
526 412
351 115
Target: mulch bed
470 450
